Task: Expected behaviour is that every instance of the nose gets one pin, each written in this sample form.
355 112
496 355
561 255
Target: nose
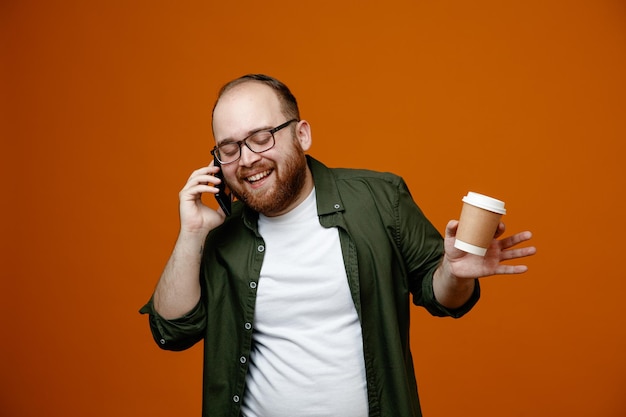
247 156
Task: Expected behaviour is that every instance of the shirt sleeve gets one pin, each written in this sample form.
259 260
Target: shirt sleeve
436 309
422 247
177 334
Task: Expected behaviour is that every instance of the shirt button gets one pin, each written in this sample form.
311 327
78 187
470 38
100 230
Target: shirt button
337 206
162 341
260 248
242 359
236 398
253 285
248 326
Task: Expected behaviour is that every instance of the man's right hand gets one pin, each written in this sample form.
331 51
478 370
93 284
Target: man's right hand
195 216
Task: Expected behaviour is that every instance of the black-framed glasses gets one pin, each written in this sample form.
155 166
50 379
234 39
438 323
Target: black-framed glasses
258 142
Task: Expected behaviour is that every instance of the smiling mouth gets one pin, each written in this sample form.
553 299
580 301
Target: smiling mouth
256 177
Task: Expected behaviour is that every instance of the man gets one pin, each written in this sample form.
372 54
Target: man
302 294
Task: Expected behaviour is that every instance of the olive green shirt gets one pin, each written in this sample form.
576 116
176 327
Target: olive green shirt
390 251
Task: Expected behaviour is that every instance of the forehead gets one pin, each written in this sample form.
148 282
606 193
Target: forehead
245 108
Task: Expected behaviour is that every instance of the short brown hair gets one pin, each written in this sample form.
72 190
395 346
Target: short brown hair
288 102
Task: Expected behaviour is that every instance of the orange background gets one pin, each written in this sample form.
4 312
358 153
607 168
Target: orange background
106 111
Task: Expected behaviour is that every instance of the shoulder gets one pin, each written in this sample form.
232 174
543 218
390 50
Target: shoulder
326 176
369 183
366 175
365 190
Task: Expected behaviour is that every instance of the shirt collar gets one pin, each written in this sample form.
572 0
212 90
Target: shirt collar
326 193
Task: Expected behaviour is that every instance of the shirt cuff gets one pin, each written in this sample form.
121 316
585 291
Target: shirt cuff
437 309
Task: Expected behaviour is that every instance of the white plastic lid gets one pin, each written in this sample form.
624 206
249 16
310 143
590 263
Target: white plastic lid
485 202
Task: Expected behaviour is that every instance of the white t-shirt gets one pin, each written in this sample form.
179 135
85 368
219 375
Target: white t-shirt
307 357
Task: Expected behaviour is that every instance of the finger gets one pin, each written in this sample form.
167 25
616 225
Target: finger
204 179
451 228
199 183
200 171
517 253
500 230
207 170
195 193
511 269
515 239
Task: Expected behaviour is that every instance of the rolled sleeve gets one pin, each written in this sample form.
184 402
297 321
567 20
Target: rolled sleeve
177 334
436 309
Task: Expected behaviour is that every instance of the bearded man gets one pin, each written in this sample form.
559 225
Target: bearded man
302 294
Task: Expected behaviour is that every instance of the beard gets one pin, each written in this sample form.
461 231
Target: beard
286 189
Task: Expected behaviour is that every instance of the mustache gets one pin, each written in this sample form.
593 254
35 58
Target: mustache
244 172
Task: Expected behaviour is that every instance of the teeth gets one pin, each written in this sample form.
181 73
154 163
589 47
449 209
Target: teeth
258 176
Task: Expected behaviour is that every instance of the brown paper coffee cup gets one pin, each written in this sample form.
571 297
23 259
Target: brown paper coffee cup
479 221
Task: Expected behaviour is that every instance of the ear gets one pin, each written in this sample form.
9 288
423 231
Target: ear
303 135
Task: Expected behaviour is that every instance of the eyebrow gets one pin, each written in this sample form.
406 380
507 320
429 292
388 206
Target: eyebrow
250 133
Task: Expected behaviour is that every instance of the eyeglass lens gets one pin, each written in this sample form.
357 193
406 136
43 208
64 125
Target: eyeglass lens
258 142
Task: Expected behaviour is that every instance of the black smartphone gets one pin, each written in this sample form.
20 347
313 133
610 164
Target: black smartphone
223 197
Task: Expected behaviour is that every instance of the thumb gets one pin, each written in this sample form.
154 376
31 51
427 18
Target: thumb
451 228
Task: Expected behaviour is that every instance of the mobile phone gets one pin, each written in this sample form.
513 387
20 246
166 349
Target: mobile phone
223 197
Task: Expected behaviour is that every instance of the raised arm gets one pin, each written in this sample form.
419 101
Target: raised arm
178 289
